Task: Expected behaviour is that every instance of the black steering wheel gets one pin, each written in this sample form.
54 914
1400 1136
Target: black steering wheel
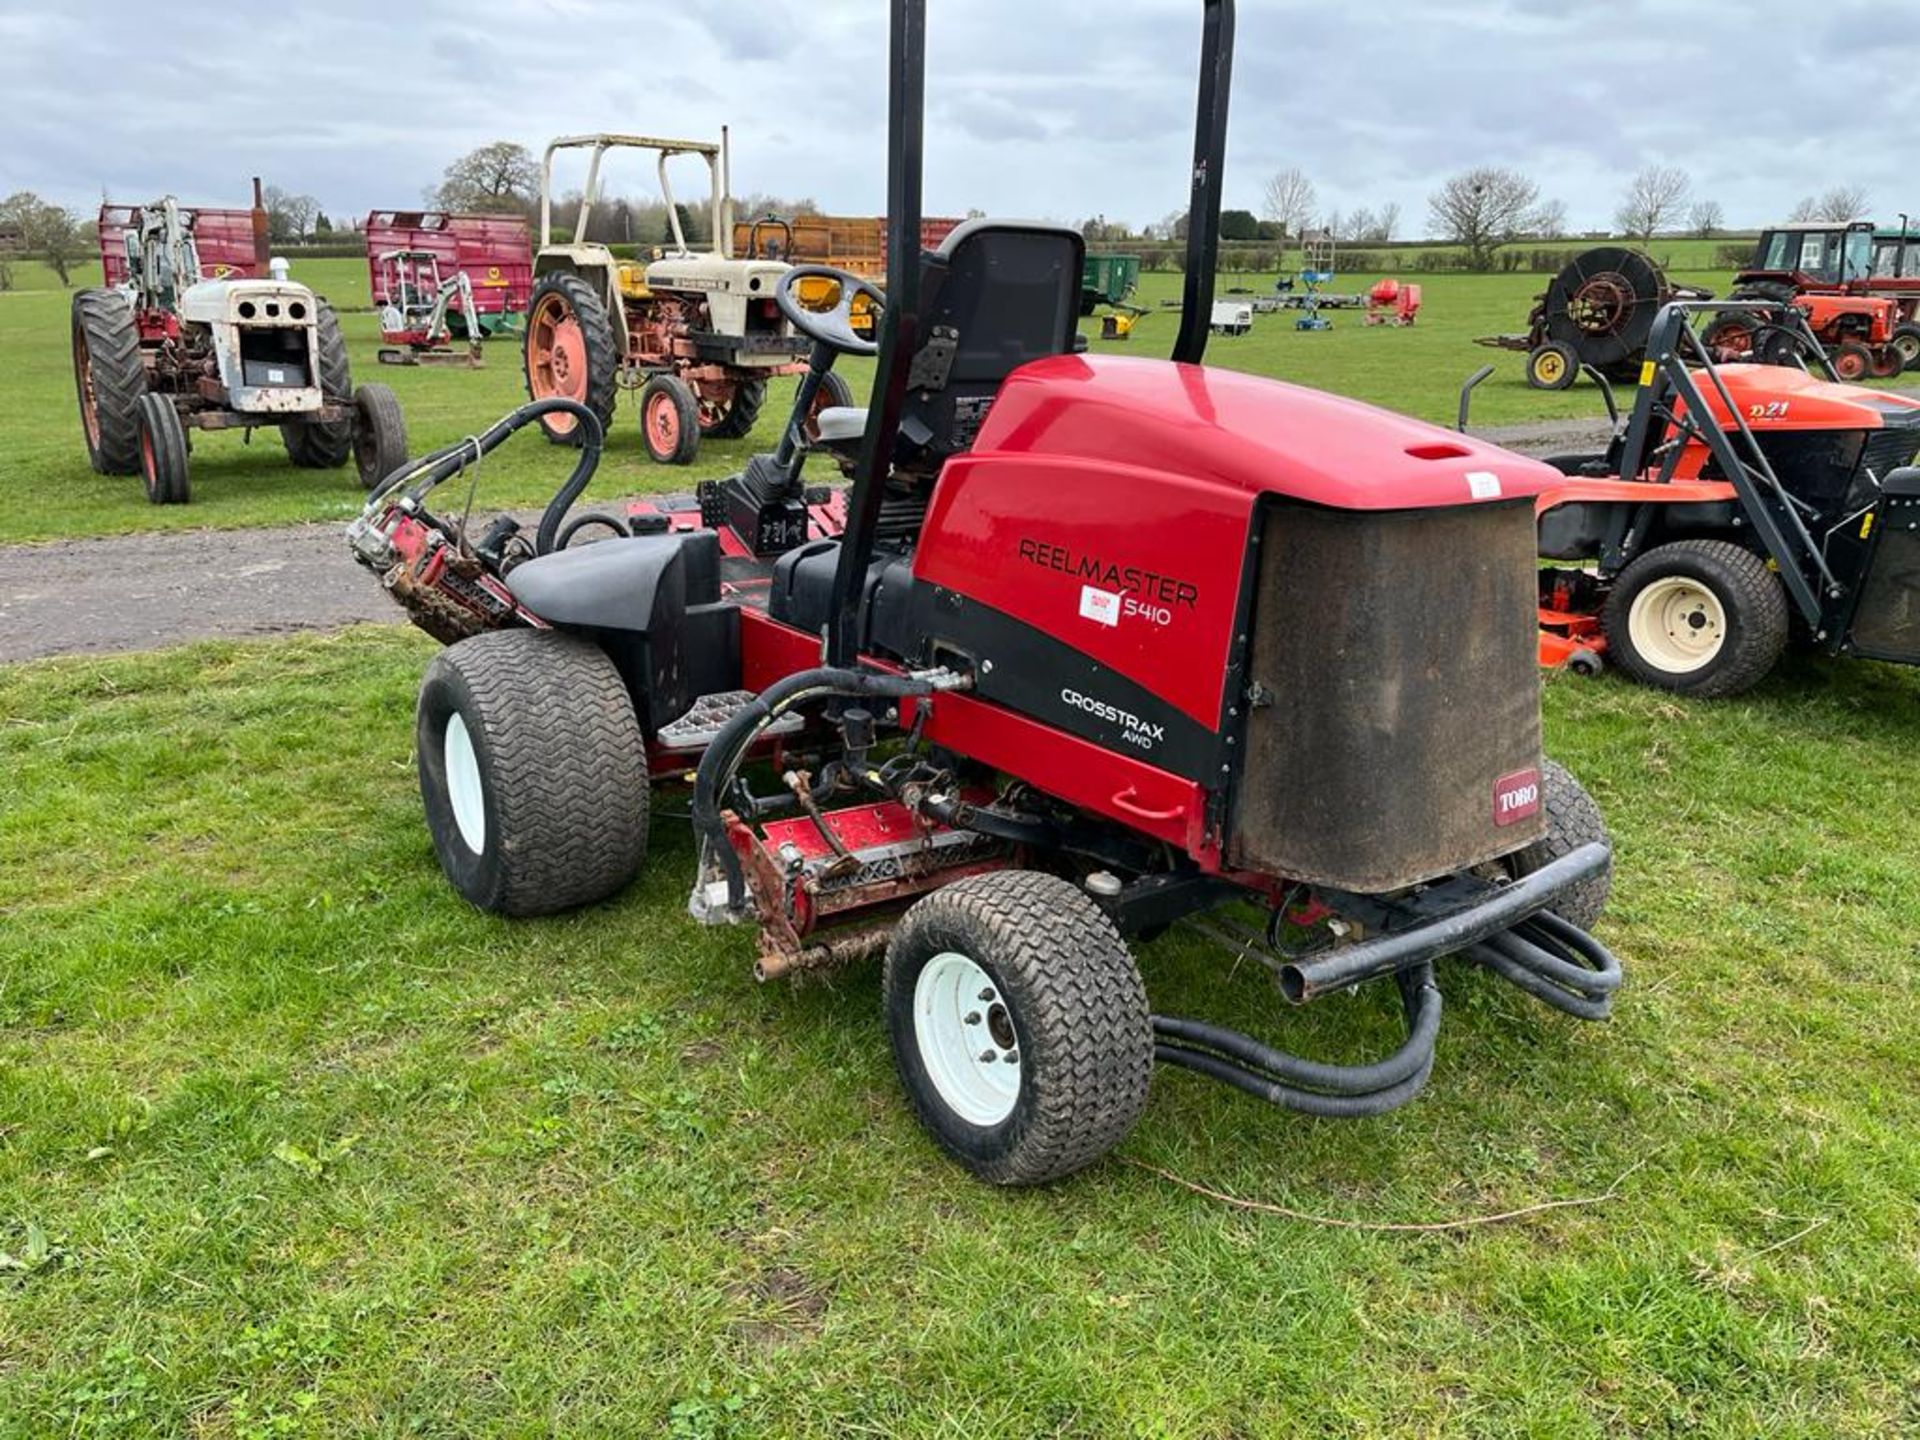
832 328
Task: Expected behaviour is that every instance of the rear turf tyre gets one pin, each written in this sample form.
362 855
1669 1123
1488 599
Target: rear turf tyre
569 351
1699 617
1573 820
1019 964
670 420
1852 362
379 434
163 451
109 378
310 444
736 418
533 771
1906 340
1552 366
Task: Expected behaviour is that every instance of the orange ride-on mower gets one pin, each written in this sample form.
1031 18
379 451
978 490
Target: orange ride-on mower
1092 646
1737 505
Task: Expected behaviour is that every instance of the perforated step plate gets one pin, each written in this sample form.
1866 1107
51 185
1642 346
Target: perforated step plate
696 729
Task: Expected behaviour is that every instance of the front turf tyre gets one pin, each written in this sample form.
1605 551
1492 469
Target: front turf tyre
569 351
109 378
1573 820
735 419
1552 366
670 420
312 444
379 434
1019 1025
163 451
1700 617
533 771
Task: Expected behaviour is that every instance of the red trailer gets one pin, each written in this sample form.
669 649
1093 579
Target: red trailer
224 239
493 251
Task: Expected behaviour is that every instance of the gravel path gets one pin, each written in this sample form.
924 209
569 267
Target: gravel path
140 592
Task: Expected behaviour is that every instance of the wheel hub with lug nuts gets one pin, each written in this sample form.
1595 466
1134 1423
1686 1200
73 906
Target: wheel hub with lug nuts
1677 624
966 1039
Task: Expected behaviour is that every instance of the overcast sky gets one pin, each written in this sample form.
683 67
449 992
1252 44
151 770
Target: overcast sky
1049 108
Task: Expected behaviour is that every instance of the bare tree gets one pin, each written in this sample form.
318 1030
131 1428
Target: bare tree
1290 200
1389 221
50 231
1842 202
289 217
1354 227
1653 198
500 176
1483 209
1808 209
1706 219
1549 221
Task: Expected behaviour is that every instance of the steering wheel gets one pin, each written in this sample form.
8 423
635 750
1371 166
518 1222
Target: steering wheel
832 328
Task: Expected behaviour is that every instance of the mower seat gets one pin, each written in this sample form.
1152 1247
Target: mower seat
620 584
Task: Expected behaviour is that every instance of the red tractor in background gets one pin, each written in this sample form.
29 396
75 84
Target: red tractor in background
1826 271
1092 646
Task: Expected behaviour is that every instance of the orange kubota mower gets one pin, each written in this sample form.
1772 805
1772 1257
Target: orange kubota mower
1737 507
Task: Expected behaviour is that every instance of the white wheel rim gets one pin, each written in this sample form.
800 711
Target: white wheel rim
465 790
1677 624
964 1032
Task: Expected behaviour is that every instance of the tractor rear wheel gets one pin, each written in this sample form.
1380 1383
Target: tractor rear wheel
569 352
1852 361
379 434
324 445
1573 820
163 451
533 771
736 418
1906 339
834 393
1887 362
110 378
1700 617
1733 336
1552 366
670 420
1019 1025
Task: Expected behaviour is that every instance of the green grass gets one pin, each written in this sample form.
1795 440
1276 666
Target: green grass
292 1141
55 494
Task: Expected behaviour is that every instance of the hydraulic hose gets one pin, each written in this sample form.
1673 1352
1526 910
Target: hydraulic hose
420 477
723 756
1557 963
1309 1086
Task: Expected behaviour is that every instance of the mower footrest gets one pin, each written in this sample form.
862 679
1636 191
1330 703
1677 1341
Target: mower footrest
697 729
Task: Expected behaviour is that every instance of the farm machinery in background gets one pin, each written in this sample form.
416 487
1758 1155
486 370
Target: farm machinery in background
169 349
1851 287
1596 314
438 277
1737 507
696 332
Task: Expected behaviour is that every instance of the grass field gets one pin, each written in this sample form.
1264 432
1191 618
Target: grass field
53 493
291 1141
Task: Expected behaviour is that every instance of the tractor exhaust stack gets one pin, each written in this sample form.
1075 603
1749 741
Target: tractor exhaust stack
262 236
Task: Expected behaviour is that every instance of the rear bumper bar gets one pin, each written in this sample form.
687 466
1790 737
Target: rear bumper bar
1463 924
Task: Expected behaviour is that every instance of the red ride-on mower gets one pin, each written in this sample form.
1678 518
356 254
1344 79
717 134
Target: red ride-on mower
1737 503
1092 646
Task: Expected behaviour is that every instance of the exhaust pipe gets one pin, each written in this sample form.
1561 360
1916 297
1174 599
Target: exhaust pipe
262 238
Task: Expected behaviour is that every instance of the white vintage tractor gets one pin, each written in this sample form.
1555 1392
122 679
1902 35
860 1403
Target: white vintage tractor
173 350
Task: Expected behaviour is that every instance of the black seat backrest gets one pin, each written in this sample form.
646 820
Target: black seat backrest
995 295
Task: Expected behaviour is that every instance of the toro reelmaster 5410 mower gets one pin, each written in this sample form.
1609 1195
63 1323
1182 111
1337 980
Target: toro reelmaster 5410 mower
1091 646
170 351
1737 506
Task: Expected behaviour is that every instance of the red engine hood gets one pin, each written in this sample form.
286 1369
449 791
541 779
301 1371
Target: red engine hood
1780 397
1251 433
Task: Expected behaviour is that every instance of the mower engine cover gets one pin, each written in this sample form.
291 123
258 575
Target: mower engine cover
1320 613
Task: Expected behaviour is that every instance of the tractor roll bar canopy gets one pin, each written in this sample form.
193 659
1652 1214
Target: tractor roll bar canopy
719 169
900 320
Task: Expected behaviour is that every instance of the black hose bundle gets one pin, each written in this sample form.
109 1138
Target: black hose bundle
1557 963
418 477
1313 1088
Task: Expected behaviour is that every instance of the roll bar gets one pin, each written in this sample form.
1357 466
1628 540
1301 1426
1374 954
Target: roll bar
719 169
901 320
